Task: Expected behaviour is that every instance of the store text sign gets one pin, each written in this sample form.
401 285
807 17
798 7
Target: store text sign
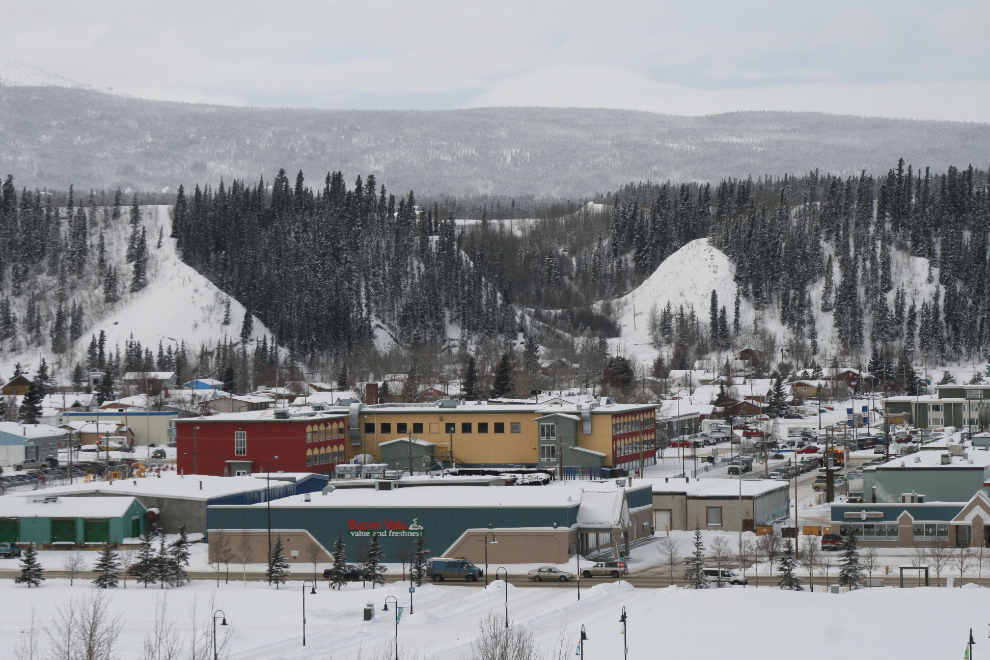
384 528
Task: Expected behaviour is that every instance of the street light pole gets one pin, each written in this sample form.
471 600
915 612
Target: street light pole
577 553
506 581
223 616
268 502
581 641
313 593
195 451
625 640
494 542
395 603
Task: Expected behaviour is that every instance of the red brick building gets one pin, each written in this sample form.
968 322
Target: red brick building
246 443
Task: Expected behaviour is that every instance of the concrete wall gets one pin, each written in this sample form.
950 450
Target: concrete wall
676 503
254 544
697 513
515 546
174 511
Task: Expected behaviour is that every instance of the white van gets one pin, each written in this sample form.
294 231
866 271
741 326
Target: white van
728 576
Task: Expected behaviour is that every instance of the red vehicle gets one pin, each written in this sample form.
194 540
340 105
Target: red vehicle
810 449
679 443
831 542
752 433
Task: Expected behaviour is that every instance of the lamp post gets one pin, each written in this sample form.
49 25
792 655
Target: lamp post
268 502
313 593
581 641
494 542
577 553
223 622
506 581
395 602
195 450
625 642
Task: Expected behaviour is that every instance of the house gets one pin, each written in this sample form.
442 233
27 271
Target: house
16 386
156 427
69 401
90 433
29 442
853 378
805 389
236 403
204 384
338 398
410 454
151 382
745 408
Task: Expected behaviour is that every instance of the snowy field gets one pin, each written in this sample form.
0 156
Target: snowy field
678 623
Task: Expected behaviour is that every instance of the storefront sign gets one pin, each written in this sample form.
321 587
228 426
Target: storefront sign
384 528
862 515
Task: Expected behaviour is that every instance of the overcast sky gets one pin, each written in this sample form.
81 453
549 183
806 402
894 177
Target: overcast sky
925 60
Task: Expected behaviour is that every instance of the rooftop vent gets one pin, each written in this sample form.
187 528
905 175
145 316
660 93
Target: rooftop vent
448 403
281 413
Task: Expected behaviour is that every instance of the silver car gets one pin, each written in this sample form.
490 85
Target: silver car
549 573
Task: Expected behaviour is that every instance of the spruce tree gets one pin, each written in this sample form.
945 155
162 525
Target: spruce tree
107 568
417 571
278 566
694 572
337 571
470 386
31 571
503 386
247 325
410 388
785 569
342 377
226 313
161 565
143 569
374 567
30 409
139 277
850 570
178 558
105 392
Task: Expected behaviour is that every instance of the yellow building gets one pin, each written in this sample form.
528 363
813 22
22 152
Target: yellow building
483 434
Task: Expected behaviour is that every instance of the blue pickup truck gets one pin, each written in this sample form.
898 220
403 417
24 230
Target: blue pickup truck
9 550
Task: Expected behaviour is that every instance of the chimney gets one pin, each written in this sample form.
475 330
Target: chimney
371 394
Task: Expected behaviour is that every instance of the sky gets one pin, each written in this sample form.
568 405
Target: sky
918 60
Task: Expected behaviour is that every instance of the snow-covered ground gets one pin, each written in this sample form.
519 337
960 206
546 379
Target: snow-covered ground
265 623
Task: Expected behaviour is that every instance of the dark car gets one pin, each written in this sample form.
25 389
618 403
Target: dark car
10 550
792 416
158 453
351 574
831 542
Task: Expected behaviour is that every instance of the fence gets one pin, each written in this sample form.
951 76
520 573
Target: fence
590 473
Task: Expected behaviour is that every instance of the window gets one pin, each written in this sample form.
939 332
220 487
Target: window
924 531
240 473
402 427
548 432
500 427
369 427
514 427
974 394
418 427
935 407
309 434
449 427
386 427
548 452
465 427
482 427
714 515
240 443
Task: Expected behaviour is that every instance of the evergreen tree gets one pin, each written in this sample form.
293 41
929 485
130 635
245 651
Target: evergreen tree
410 388
30 409
162 570
139 278
178 558
374 566
785 569
417 571
470 386
247 325
111 286
31 571
342 378
229 380
106 392
143 569
278 566
778 399
694 572
384 396
531 360
107 568
226 312
337 572
503 385
735 318
850 571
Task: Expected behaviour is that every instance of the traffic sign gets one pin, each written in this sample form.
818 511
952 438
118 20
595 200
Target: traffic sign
412 590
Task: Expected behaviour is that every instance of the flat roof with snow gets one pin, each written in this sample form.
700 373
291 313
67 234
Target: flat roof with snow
170 484
49 506
971 459
452 497
718 487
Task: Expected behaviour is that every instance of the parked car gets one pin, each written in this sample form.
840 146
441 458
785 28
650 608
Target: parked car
792 416
810 449
610 568
679 443
778 475
820 483
727 576
452 568
549 573
158 453
9 550
351 573
44 464
854 498
831 542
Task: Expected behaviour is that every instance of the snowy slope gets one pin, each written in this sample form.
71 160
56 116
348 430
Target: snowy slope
178 304
18 74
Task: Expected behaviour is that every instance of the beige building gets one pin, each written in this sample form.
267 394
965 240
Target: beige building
714 504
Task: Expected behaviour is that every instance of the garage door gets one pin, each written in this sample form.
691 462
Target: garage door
8 530
661 520
97 531
64 531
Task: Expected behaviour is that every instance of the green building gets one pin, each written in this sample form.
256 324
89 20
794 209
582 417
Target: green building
53 521
962 406
955 475
409 454
559 432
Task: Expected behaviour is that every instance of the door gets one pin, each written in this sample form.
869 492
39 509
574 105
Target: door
97 531
661 520
8 530
135 527
64 531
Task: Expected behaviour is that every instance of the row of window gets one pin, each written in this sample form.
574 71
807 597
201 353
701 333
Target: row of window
630 425
626 448
922 531
548 453
321 457
402 428
323 432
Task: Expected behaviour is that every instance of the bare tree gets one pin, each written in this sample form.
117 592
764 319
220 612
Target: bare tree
771 547
812 557
496 641
200 632
72 565
720 554
920 555
314 552
244 552
869 561
84 629
669 554
939 555
961 560
163 641
27 644
979 563
757 554
746 556
127 559
826 564
403 552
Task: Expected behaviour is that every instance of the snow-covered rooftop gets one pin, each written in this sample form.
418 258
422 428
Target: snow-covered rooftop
717 487
971 458
415 441
443 496
47 505
31 430
268 414
170 484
